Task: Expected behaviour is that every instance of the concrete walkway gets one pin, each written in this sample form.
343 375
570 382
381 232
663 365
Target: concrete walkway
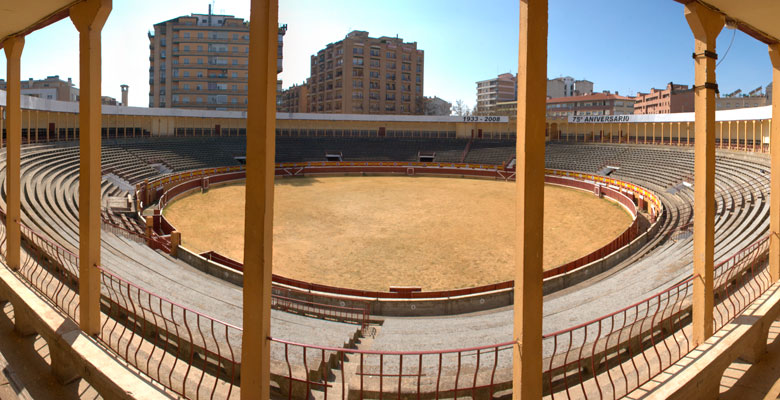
745 381
25 366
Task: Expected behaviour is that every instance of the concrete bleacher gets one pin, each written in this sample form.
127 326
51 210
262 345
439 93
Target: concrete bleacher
50 205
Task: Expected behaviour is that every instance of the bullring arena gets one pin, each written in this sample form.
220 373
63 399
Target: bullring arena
617 309
377 232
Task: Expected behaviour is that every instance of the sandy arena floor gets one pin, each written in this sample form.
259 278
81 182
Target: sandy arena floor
376 232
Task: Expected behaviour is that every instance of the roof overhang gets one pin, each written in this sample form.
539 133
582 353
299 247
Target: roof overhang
23 17
757 18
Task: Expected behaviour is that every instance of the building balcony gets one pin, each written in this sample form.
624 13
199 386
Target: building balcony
208 40
210 53
210 79
227 92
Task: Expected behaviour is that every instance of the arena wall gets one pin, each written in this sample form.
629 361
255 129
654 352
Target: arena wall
46 120
420 303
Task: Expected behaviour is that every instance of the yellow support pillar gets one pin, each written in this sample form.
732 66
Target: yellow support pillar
729 135
258 223
13 52
774 151
752 142
531 95
705 25
89 17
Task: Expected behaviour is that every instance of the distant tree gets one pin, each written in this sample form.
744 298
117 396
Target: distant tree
461 109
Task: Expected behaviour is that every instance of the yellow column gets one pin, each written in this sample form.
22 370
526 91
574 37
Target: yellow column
774 151
13 52
753 142
89 17
688 133
531 95
729 147
653 132
705 25
258 223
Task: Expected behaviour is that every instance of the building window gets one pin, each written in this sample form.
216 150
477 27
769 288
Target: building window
186 60
358 94
200 61
187 36
186 74
200 35
390 96
390 54
358 83
373 74
357 61
357 50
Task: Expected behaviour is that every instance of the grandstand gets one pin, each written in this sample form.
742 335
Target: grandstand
119 303
49 204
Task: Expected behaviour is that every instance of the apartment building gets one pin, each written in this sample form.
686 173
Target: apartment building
490 92
54 88
294 99
566 87
604 103
200 61
737 99
51 88
365 75
675 98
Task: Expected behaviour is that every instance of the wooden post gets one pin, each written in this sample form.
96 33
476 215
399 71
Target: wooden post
89 17
13 52
774 150
531 95
258 223
705 25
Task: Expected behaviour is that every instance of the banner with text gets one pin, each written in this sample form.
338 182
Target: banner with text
601 119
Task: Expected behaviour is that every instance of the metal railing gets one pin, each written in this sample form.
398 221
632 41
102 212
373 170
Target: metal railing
612 355
478 372
190 353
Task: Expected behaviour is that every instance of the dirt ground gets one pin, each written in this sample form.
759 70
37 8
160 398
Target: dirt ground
375 232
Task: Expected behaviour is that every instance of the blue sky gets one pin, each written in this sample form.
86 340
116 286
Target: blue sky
620 45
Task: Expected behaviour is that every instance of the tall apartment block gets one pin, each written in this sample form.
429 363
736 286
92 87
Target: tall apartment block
496 90
365 75
201 61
